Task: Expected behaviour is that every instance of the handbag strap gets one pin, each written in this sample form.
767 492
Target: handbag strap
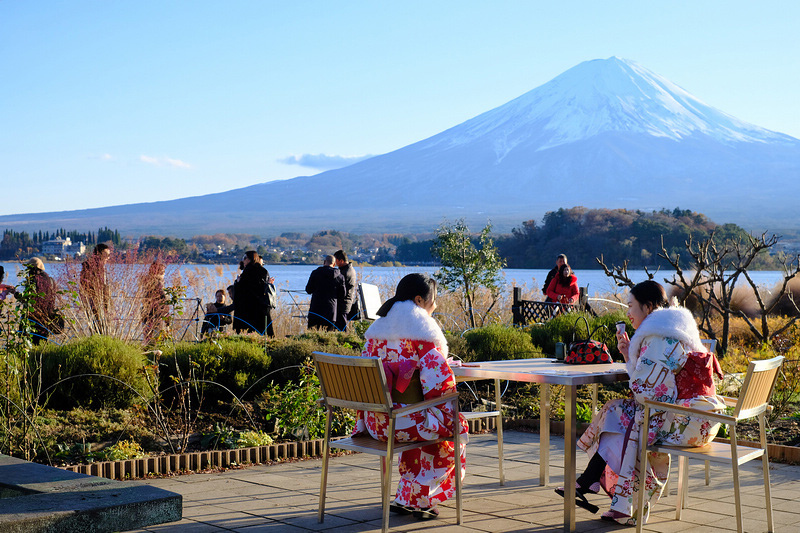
575 328
605 334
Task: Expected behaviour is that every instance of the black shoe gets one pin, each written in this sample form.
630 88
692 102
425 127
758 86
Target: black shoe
580 499
426 514
400 508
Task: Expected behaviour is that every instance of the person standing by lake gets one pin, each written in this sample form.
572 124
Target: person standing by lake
269 331
95 293
561 260
326 287
564 287
45 318
348 308
154 308
248 312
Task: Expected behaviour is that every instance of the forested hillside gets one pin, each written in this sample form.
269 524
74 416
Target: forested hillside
616 234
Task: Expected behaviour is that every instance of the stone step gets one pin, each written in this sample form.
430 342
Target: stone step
35 497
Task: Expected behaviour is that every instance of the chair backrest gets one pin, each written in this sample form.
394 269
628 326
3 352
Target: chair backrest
710 344
757 387
370 299
353 382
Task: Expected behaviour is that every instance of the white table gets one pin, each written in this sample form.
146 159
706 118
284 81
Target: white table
549 372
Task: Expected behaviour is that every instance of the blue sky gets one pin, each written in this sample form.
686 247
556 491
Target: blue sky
108 103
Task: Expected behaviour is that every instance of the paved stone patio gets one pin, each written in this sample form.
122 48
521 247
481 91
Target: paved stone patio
284 497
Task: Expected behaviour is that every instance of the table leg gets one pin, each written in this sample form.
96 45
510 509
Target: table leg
570 437
595 390
544 434
499 423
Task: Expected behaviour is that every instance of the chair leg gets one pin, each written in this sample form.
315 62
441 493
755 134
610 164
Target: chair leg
765 466
325 456
386 478
708 473
457 459
642 470
735 470
683 481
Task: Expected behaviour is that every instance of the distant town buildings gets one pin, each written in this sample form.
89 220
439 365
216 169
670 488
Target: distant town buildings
63 247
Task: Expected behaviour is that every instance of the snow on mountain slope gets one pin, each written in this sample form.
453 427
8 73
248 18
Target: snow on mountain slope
601 96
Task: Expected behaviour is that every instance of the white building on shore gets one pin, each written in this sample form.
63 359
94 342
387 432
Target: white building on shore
63 247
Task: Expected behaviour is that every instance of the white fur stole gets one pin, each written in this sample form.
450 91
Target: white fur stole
407 321
671 322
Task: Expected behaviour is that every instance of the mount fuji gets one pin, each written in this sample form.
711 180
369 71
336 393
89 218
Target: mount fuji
605 133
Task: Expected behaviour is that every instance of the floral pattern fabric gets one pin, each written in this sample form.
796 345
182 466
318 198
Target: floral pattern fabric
660 361
427 474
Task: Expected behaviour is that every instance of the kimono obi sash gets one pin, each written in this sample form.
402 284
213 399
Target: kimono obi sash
403 380
696 378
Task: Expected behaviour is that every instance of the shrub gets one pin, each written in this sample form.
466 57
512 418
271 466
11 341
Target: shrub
289 354
236 364
497 343
294 407
458 346
121 366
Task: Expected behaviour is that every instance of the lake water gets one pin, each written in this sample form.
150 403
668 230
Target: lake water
202 280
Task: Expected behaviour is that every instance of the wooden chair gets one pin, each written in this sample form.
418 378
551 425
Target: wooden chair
752 402
360 383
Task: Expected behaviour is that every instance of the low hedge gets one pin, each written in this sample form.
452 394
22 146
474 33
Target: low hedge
497 343
290 353
122 382
235 364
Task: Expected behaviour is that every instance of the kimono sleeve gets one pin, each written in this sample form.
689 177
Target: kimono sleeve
435 374
659 361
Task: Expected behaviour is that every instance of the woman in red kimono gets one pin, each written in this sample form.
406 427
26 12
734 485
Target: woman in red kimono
412 346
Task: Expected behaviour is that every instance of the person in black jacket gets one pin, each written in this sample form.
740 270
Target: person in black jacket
348 308
326 287
248 311
561 260
217 314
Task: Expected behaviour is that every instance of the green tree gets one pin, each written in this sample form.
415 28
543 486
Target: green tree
468 264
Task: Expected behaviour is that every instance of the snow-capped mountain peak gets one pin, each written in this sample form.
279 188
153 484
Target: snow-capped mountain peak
602 95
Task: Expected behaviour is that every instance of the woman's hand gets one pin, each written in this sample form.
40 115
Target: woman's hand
623 343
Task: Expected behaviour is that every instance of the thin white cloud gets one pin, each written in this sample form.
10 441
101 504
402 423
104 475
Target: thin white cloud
164 161
323 161
102 157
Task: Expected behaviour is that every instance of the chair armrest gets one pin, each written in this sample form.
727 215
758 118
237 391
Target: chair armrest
414 407
710 415
730 402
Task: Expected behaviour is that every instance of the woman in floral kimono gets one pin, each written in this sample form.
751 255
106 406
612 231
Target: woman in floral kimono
668 363
414 354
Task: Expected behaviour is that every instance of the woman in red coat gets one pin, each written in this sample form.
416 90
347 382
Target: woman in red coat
564 287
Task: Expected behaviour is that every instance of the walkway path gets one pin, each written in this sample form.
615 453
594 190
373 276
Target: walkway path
284 497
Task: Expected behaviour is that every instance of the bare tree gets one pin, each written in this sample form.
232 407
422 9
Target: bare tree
715 268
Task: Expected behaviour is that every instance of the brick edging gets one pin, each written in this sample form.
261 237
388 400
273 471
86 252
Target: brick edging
199 461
